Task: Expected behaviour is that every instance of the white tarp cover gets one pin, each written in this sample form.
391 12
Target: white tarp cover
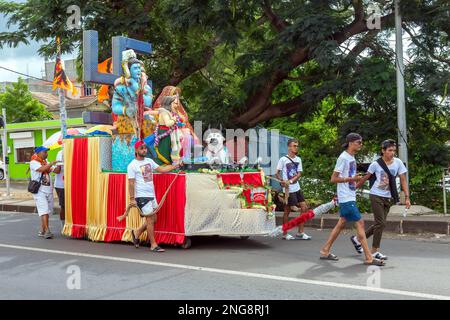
214 211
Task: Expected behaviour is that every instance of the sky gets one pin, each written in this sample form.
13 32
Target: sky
24 58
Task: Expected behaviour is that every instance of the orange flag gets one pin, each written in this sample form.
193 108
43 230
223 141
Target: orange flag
104 67
60 79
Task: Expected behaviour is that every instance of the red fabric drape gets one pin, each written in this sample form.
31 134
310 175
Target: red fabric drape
79 187
253 179
250 178
169 226
308 215
116 207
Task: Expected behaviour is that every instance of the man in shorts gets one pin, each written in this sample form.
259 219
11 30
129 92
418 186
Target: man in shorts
289 170
142 191
346 178
40 171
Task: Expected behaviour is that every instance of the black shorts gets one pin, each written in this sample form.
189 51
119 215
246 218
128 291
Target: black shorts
295 198
61 198
142 201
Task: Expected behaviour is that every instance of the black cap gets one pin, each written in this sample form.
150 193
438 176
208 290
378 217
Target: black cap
350 138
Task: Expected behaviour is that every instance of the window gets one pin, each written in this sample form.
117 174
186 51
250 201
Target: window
23 155
87 90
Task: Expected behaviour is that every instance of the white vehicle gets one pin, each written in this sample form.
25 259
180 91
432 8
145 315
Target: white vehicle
2 170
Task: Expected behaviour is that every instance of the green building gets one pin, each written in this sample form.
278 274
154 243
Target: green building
23 137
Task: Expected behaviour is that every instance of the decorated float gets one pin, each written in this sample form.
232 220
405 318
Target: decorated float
225 199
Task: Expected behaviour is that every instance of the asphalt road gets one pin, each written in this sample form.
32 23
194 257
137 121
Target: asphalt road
213 268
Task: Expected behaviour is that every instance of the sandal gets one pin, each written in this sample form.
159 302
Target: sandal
135 241
157 249
375 262
330 256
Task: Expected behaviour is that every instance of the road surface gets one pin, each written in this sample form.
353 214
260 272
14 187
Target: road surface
213 268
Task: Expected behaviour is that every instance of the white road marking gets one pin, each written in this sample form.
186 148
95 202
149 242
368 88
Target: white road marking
236 273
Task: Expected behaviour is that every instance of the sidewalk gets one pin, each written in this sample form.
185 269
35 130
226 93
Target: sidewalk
20 200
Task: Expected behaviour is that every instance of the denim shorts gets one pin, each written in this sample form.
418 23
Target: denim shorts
349 211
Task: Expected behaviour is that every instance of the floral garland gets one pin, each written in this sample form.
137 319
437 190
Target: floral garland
168 132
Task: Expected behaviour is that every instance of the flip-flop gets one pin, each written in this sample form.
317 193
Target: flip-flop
330 256
135 241
375 262
157 249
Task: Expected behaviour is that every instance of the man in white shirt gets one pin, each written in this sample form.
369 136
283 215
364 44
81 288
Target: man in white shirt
59 185
383 193
40 171
289 170
345 177
142 191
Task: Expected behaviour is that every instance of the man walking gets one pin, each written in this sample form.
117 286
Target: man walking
40 171
290 167
59 185
345 177
142 192
383 193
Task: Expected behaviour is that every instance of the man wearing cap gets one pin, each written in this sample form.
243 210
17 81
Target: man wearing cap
40 171
142 191
346 178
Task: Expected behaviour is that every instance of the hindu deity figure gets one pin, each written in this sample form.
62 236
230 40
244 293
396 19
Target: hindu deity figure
166 141
186 132
132 95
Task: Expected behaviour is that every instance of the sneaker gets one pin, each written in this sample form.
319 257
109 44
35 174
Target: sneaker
302 236
357 244
289 237
41 234
379 256
48 235
276 232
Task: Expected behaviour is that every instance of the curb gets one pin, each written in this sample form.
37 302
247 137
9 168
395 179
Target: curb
25 209
400 225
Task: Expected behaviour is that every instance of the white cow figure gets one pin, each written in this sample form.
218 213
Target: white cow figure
216 151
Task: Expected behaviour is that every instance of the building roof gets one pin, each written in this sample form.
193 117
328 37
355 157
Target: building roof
51 101
46 124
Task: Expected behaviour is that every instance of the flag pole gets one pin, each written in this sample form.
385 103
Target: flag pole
62 112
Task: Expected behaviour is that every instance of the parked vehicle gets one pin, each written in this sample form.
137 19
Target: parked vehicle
2 170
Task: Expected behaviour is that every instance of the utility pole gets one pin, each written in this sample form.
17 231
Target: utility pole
5 150
401 112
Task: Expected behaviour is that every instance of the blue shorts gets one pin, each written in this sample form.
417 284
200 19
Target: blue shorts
349 211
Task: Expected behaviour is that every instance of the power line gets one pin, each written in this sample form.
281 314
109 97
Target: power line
33 77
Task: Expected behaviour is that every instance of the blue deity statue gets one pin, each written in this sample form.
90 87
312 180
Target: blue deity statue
128 87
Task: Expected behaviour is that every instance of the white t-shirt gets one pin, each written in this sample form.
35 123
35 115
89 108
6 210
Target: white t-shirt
289 170
142 172
46 182
346 166
381 185
59 178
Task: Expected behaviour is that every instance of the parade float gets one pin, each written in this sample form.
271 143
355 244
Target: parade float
225 199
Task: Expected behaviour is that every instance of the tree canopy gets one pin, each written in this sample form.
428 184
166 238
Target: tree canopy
20 105
252 60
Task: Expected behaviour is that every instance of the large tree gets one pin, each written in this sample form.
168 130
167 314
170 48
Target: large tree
244 62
